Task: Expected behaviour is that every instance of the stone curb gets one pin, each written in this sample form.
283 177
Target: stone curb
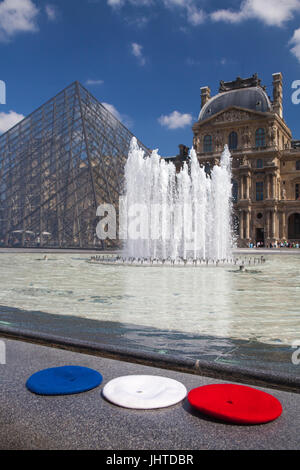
199 367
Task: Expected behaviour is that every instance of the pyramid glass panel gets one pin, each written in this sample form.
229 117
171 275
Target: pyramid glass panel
56 167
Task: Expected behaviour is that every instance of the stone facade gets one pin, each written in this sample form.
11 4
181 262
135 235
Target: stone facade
266 161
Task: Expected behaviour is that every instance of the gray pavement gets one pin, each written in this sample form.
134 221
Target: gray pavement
87 421
238 251
56 250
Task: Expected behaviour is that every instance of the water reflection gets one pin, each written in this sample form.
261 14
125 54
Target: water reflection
261 304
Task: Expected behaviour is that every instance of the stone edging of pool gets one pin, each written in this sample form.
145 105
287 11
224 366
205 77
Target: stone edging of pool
227 372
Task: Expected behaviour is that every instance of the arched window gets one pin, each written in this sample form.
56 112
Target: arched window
298 165
260 137
294 226
207 143
233 141
259 163
235 191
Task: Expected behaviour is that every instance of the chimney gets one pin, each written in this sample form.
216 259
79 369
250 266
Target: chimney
277 93
205 95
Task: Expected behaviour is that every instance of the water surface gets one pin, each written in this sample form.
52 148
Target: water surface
173 307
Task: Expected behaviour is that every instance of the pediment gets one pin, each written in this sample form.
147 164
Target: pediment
234 114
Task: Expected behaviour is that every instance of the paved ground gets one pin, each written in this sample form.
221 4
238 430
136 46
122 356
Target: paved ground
55 250
267 251
87 421
240 251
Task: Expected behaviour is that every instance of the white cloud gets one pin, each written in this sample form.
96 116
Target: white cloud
227 16
175 120
121 117
195 16
8 120
138 21
17 16
136 50
271 12
176 3
94 82
115 3
112 110
295 41
136 3
51 12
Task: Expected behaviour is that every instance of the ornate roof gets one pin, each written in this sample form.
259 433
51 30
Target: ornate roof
253 81
249 97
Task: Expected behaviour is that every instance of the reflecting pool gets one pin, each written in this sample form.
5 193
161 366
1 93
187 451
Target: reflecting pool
260 305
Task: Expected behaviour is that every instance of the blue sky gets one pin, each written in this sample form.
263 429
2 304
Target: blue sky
146 59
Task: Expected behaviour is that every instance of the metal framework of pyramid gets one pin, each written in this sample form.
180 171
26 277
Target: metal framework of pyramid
56 167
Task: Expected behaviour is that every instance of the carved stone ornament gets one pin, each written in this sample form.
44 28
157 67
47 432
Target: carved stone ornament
246 137
253 81
244 161
283 194
273 135
218 139
234 115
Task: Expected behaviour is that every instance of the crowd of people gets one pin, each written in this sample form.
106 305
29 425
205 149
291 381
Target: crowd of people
276 244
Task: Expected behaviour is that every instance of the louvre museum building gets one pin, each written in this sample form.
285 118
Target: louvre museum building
266 159
68 156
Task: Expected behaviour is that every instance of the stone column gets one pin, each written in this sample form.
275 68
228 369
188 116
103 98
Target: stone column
267 224
242 225
249 187
246 187
283 225
273 187
248 224
273 235
267 187
280 226
242 187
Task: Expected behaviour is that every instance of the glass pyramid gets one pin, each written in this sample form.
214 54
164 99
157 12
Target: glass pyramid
56 167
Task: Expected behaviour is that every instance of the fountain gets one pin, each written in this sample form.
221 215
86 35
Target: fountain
179 215
171 218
